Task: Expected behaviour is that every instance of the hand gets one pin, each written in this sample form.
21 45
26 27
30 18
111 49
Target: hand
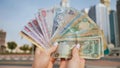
75 61
43 59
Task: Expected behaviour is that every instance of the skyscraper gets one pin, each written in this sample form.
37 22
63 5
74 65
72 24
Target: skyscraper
99 14
64 3
106 3
85 10
118 15
114 33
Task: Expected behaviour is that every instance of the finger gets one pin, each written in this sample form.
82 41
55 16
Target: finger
52 59
75 52
53 48
63 63
82 60
51 63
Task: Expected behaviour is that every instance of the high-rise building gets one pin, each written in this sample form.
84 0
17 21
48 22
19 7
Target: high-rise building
2 40
114 33
118 16
106 3
64 3
85 10
99 14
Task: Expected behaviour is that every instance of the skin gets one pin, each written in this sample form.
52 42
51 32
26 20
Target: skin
43 59
74 62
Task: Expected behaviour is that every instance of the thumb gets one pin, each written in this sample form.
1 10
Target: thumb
53 48
75 51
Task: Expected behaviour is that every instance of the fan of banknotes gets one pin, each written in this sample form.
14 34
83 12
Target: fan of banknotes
68 27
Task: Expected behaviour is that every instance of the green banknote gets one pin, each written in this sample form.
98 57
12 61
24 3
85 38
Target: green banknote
89 34
82 25
90 47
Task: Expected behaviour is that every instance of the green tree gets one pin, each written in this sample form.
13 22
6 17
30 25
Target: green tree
24 48
11 45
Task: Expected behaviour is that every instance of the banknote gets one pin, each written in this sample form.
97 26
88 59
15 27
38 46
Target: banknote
56 34
64 49
90 47
81 25
49 19
36 27
33 27
31 40
58 18
69 15
32 35
43 26
93 33
89 34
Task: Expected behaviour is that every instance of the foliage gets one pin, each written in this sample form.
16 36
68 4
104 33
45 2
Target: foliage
24 48
12 45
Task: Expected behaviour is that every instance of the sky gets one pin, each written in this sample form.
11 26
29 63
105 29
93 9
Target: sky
15 14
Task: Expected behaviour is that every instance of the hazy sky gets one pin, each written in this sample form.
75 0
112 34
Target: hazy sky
14 14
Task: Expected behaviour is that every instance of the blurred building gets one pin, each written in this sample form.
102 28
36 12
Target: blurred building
118 15
64 3
100 15
106 3
114 33
2 41
85 10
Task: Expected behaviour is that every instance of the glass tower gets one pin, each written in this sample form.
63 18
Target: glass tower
114 33
118 15
106 3
99 14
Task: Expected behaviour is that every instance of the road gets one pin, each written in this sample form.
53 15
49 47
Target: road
89 64
106 62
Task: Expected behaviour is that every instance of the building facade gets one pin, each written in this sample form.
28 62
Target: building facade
118 16
85 10
64 3
106 3
114 32
99 14
2 41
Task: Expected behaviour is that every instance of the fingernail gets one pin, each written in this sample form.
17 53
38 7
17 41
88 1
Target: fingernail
55 44
78 46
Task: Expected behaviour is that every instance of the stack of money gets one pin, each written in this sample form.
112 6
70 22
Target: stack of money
68 27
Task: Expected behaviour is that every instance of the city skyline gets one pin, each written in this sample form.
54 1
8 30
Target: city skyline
15 14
